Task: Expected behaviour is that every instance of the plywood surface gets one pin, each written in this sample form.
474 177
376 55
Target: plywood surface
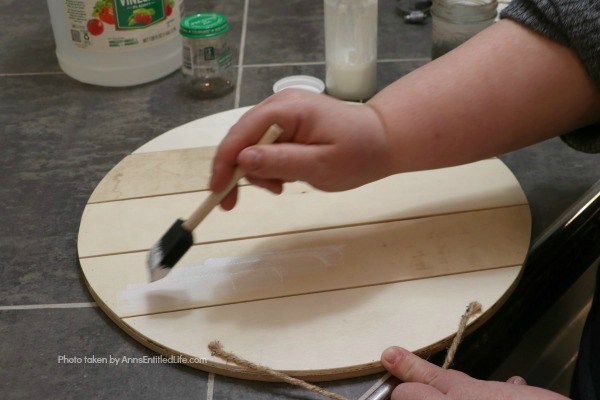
393 252
295 281
124 226
153 174
317 335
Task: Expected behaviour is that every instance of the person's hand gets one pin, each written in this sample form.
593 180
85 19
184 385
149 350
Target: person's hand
327 143
423 380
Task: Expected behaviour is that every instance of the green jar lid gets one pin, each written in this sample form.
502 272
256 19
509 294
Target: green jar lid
203 25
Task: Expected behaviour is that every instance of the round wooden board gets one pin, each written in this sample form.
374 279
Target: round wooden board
315 284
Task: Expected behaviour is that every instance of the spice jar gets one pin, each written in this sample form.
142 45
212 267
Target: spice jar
456 21
207 58
351 48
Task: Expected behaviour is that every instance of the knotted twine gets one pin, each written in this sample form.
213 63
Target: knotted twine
216 349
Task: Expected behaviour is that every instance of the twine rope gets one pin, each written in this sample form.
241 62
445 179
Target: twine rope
473 308
216 349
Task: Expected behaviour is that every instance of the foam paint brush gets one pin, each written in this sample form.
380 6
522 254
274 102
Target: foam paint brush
165 253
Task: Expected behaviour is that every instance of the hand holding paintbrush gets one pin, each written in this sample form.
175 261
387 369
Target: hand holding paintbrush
165 253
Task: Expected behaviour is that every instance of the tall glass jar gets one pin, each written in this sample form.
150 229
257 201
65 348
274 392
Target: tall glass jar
456 21
207 58
351 48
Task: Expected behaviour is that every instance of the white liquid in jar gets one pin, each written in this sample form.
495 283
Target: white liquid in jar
351 82
351 48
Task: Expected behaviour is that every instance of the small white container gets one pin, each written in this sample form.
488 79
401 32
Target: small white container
351 48
304 82
117 43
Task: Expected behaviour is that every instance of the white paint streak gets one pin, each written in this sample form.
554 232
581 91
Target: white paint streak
223 279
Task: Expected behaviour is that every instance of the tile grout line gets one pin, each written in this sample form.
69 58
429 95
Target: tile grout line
11 74
48 306
392 60
375 386
302 63
210 386
240 72
240 67
288 64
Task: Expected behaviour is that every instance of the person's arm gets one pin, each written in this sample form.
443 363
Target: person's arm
506 88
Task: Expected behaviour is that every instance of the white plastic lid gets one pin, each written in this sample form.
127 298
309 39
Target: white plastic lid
304 82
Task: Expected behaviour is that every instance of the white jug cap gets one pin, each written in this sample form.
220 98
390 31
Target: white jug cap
304 82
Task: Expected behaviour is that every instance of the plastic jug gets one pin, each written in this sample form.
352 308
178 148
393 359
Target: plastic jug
117 42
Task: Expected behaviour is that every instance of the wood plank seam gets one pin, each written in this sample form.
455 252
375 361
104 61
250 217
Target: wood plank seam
298 231
157 195
317 291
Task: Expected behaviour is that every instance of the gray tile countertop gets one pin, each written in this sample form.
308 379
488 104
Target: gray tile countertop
59 137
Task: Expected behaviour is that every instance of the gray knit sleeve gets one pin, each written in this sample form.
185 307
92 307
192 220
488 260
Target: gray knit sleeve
573 23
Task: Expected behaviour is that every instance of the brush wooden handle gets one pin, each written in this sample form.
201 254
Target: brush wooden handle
211 201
